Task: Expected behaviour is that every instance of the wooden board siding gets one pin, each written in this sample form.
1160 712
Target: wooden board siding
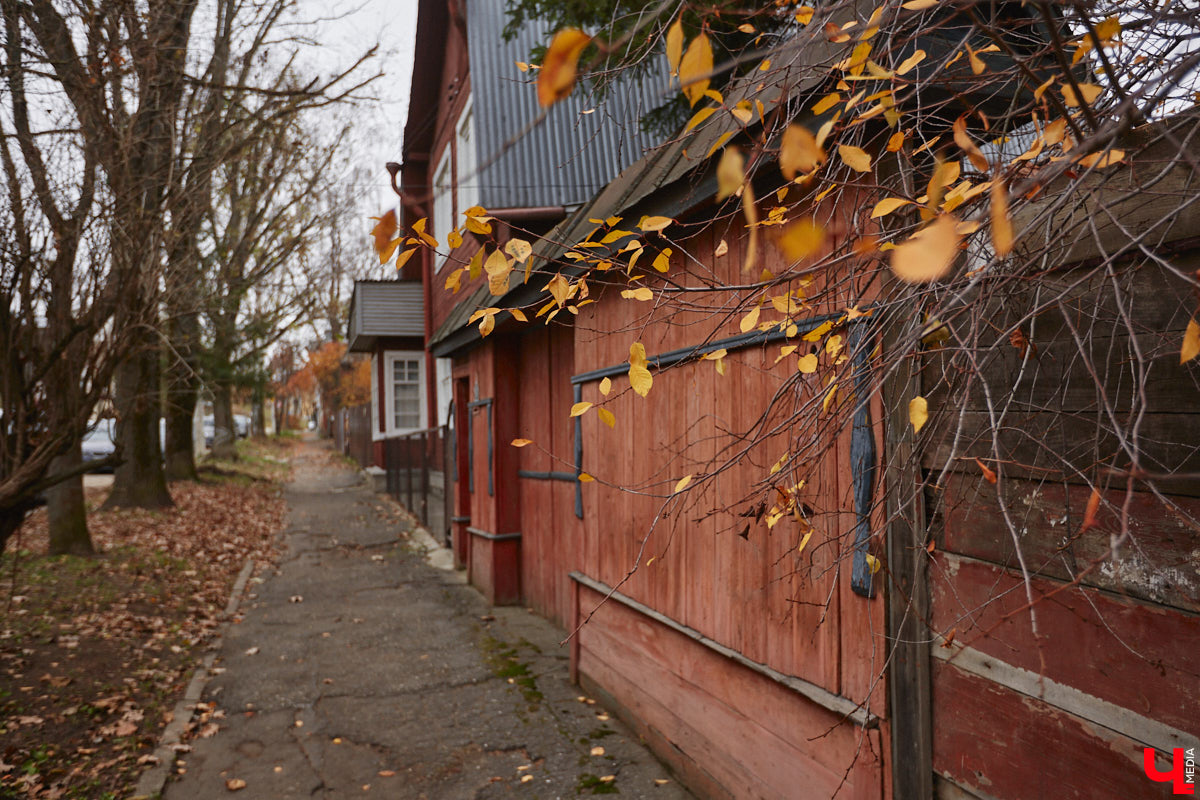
551 533
794 613
1065 710
1002 744
746 733
1137 655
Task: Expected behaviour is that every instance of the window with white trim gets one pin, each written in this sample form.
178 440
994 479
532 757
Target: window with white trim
404 391
443 203
468 181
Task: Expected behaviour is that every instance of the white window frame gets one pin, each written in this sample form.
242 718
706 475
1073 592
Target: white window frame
389 390
443 205
464 143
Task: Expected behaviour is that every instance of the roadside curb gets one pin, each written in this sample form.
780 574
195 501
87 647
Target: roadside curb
150 785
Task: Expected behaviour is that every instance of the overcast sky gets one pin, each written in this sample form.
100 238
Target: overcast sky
345 29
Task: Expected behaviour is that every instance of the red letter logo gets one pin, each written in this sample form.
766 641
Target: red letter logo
1179 784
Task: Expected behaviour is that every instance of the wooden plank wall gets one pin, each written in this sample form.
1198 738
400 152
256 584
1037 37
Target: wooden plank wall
551 540
1065 711
791 611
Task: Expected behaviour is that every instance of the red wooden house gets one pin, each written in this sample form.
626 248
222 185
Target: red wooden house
740 628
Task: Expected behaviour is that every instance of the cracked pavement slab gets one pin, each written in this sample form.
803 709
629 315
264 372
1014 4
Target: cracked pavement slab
356 669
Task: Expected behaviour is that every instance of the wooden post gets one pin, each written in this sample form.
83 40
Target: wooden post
909 694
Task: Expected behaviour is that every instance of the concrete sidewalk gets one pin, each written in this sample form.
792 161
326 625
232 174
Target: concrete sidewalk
360 670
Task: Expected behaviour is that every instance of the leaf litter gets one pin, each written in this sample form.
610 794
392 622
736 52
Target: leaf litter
95 652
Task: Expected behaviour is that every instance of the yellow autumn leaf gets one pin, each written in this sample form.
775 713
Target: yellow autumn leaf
479 225
1055 132
895 142
606 386
750 321
827 102
802 238
404 257
873 563
804 14
977 65
641 293
907 64
639 376
719 143
829 398
662 261
918 413
521 442
579 409
731 173
1107 30
675 45
855 158
383 232
1191 342
682 484
799 152
919 5
454 281
722 249
585 478
803 542
557 77
699 117
1002 230
475 265
807 363
1088 92
606 416
498 269
695 67
888 205
963 140
651 224
1102 160
929 253
519 249
487 324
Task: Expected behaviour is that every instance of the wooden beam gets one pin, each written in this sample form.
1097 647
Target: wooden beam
908 675
843 706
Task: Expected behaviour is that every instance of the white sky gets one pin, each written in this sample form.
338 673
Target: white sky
345 29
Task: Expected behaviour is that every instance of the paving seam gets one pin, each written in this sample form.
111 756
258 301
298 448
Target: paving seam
154 780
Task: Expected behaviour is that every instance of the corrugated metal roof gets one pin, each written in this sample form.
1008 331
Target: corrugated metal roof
662 167
567 158
384 308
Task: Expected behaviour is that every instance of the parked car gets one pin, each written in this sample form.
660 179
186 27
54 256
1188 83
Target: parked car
210 427
99 443
241 424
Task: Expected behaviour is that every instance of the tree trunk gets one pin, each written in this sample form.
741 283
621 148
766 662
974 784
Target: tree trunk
180 458
66 513
183 392
139 482
257 409
224 434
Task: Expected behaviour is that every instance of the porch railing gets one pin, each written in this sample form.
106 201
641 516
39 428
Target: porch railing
416 476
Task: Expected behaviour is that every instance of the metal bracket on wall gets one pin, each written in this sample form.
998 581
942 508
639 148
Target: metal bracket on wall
474 404
862 459
578 455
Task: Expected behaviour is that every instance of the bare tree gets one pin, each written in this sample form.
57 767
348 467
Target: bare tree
60 346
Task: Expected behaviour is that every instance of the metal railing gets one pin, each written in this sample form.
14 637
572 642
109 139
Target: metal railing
416 476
